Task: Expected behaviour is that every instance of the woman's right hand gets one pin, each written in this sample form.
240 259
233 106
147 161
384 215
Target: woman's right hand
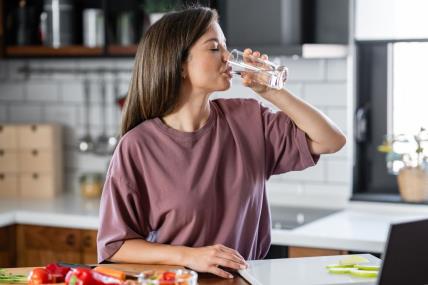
210 258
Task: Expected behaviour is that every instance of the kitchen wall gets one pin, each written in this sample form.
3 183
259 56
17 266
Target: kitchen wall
44 98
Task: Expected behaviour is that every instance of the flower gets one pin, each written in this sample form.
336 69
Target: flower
405 151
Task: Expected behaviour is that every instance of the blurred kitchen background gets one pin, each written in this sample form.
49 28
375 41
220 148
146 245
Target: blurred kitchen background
65 68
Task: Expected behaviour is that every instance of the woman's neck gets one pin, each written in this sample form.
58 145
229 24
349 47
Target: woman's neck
190 114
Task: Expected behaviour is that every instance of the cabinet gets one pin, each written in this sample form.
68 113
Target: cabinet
8 246
30 160
294 251
40 245
115 14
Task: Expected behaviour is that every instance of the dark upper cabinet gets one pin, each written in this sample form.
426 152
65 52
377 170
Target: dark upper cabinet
284 27
276 27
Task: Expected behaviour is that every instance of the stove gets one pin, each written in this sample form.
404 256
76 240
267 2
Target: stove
288 218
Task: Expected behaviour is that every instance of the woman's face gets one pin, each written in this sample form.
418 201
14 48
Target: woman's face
206 67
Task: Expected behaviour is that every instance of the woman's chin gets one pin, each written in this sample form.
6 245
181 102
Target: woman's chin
226 85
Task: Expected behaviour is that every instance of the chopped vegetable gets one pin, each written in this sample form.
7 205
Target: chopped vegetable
352 260
6 277
340 270
339 266
351 265
363 273
39 276
111 272
367 267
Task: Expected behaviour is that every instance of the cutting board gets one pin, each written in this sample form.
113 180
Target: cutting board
303 271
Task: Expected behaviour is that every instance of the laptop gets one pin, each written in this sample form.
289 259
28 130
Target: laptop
405 262
405 259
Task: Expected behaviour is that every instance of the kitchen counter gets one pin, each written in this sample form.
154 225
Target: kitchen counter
275 271
360 227
69 211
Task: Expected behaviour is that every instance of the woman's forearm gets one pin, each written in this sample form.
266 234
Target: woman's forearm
324 135
141 251
202 259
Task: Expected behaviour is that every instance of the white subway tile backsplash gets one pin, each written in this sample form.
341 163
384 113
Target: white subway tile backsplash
295 88
12 91
59 113
325 94
314 173
3 113
339 117
339 171
339 189
86 162
45 91
304 69
13 67
336 69
71 92
25 113
71 137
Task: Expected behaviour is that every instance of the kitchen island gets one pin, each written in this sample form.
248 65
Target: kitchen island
277 271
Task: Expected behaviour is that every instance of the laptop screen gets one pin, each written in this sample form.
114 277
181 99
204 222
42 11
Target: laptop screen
405 260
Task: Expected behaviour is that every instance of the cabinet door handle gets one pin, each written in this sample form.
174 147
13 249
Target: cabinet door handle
1 152
35 152
87 241
1 176
70 240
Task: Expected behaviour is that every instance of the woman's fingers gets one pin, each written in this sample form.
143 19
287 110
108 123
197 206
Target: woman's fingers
235 253
219 272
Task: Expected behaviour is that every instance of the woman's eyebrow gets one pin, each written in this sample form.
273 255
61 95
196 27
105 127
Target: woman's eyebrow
212 39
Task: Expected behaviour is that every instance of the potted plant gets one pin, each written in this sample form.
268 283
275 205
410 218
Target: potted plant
407 157
157 8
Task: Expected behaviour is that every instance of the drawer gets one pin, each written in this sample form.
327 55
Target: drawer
8 137
38 136
37 185
8 185
36 161
8 161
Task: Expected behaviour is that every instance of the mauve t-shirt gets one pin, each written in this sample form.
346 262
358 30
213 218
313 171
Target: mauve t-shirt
200 188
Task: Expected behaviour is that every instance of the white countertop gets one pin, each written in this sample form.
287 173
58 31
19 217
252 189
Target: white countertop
68 211
303 271
360 227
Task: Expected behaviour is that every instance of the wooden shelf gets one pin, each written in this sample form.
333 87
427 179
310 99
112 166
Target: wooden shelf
130 50
29 51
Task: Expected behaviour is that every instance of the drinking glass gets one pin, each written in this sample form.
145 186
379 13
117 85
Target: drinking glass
260 70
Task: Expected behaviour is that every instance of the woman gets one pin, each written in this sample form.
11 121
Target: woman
186 184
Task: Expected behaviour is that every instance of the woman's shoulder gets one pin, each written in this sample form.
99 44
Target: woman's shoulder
138 134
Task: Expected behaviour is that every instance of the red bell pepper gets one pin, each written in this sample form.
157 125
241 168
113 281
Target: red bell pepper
85 276
58 272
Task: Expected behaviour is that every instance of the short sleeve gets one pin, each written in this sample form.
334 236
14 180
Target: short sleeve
286 145
122 210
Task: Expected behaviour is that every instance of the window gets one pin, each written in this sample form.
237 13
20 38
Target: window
392 98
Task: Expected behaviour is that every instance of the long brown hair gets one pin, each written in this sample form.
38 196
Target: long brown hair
156 77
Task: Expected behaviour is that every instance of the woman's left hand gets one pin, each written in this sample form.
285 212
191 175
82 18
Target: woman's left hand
247 78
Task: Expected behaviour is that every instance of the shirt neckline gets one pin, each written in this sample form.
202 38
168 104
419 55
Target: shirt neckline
188 135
